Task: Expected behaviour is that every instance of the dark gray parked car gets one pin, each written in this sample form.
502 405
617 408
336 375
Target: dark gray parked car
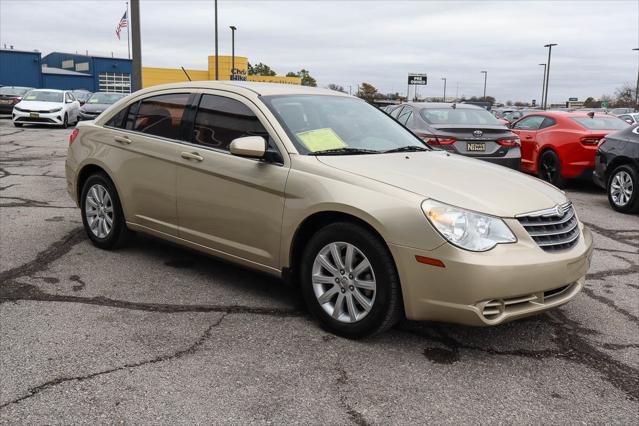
463 129
97 103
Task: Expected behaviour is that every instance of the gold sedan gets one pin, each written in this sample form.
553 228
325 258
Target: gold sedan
326 191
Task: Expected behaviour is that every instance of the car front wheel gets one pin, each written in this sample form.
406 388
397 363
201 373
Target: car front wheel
65 121
550 169
622 189
349 281
102 213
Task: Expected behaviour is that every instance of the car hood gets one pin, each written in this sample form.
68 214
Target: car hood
454 179
39 106
95 107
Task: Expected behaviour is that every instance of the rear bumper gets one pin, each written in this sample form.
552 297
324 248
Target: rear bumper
512 163
509 282
6 108
85 116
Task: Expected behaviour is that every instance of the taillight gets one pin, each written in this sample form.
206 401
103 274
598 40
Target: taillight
16 100
74 135
589 140
436 140
509 141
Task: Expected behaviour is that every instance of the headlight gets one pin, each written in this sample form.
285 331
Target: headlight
467 229
55 110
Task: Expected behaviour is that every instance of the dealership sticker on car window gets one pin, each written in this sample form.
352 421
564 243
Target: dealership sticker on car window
30 98
93 101
321 139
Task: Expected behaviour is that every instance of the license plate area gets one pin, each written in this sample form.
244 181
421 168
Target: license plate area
34 115
476 146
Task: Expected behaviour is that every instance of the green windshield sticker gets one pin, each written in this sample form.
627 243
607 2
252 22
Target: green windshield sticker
93 101
30 98
321 139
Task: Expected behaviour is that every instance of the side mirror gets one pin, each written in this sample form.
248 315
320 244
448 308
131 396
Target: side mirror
249 146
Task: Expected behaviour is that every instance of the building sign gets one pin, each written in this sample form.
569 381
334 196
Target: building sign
417 79
573 99
238 74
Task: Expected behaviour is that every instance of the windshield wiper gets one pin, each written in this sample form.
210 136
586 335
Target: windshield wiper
408 148
347 151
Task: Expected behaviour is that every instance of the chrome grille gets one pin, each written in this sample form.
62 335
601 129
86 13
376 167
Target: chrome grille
552 229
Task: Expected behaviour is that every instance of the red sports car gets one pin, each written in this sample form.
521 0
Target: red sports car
557 146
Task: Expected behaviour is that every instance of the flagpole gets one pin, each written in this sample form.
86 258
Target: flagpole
128 32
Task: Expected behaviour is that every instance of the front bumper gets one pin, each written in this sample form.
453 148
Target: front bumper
50 118
87 116
508 282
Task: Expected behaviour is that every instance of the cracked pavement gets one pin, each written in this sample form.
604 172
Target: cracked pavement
154 333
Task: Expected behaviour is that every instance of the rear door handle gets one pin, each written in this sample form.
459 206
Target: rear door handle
124 140
192 156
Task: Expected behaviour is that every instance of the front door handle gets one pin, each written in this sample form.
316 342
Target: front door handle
124 140
192 156
529 137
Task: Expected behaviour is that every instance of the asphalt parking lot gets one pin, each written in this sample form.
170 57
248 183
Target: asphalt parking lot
153 333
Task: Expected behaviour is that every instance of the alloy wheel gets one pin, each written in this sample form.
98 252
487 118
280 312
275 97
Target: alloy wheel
621 188
549 167
344 282
99 211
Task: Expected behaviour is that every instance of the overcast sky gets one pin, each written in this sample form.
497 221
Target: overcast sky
347 42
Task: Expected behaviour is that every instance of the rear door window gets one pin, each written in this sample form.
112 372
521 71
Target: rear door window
159 115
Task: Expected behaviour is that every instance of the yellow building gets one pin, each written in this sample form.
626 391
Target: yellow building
152 76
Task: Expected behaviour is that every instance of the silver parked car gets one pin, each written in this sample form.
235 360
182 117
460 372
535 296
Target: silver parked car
462 129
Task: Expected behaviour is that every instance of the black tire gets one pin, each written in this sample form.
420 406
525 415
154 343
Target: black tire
119 234
632 205
65 121
17 124
387 307
550 169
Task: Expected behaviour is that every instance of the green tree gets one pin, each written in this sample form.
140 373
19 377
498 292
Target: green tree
260 69
307 80
336 87
590 102
367 92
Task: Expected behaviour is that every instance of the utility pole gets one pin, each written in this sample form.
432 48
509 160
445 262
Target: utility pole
543 88
232 52
549 46
444 78
136 45
485 78
637 87
217 59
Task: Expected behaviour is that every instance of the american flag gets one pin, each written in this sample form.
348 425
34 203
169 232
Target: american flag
122 24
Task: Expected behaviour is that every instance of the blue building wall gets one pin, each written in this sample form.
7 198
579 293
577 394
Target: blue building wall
19 68
62 82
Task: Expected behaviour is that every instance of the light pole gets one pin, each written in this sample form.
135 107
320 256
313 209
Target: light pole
543 88
637 87
232 51
217 59
136 44
485 78
549 46
444 78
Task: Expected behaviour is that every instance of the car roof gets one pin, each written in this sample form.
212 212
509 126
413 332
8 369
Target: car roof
50 90
265 89
425 105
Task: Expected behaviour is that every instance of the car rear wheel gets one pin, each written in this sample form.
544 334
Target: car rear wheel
349 281
622 189
550 169
102 213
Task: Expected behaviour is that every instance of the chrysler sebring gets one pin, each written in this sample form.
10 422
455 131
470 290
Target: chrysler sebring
333 195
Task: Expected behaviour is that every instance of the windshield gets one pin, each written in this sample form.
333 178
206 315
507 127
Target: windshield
601 123
458 116
105 98
13 91
318 123
43 96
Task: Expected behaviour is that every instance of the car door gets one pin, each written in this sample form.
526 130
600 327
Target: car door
145 140
526 129
230 204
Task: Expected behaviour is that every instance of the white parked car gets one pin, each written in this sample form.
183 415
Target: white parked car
47 106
